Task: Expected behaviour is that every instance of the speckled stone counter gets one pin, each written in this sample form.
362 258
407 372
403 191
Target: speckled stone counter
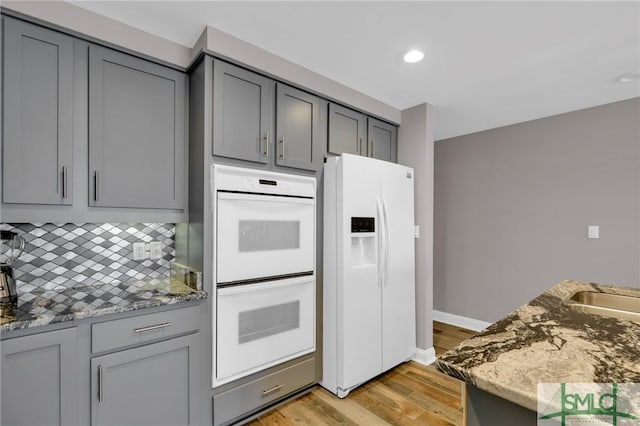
546 342
83 301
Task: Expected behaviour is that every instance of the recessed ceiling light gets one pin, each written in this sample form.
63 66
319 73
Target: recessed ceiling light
414 55
628 77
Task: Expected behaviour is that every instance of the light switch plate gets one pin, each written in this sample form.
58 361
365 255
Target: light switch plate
593 231
155 250
416 231
139 251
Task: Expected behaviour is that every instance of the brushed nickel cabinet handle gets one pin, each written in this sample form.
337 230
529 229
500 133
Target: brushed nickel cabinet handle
100 394
152 327
371 148
95 185
359 147
265 152
282 151
272 390
64 182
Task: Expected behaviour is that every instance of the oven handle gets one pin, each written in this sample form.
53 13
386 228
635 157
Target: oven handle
270 198
248 288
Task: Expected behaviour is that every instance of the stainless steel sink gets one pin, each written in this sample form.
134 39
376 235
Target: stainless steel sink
606 304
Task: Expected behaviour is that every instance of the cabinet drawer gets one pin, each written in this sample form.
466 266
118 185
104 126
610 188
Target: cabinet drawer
144 328
236 402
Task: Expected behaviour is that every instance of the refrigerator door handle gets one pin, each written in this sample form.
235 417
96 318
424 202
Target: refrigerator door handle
380 238
386 242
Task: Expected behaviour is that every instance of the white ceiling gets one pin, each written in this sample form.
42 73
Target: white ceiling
487 64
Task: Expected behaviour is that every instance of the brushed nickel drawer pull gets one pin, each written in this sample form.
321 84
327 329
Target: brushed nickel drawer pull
272 390
100 395
152 327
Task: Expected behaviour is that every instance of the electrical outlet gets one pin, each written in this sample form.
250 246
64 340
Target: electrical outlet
155 250
140 251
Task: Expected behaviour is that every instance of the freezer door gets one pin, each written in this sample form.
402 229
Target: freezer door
359 289
398 283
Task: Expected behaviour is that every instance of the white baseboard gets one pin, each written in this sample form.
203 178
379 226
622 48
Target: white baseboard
460 321
425 356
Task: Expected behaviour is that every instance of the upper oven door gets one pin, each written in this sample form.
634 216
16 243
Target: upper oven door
263 236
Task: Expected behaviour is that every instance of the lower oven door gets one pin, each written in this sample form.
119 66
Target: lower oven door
264 324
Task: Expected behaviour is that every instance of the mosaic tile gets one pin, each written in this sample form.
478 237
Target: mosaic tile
63 255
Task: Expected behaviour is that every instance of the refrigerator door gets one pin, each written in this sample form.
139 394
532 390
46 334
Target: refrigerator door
359 301
398 283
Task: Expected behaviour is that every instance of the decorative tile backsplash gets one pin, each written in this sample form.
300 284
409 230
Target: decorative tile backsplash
62 255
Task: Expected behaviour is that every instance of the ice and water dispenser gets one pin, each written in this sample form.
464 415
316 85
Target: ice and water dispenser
363 241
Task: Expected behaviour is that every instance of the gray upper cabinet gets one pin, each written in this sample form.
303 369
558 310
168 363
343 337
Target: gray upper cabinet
242 114
152 385
40 379
297 127
137 132
347 131
37 161
383 139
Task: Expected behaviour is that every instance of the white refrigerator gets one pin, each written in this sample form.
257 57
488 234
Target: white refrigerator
369 321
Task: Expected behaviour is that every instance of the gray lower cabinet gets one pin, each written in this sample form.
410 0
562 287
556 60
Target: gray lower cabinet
137 132
298 129
383 139
37 163
40 379
347 131
242 114
151 385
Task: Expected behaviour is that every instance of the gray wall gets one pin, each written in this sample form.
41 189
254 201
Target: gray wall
415 149
512 207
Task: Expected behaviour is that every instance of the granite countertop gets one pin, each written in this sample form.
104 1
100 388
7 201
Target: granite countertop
546 342
86 301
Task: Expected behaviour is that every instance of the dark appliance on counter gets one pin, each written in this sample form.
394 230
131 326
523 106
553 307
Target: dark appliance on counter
11 247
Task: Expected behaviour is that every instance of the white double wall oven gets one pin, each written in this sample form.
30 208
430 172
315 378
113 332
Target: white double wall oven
264 269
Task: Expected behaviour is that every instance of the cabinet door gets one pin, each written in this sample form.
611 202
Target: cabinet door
242 114
136 132
153 385
37 104
382 140
40 380
297 126
347 131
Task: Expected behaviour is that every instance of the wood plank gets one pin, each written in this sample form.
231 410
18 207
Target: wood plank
439 408
396 401
327 411
436 379
350 408
301 414
272 418
383 411
434 392
430 419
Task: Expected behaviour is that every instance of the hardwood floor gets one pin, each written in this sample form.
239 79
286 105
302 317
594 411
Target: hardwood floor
447 336
410 394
